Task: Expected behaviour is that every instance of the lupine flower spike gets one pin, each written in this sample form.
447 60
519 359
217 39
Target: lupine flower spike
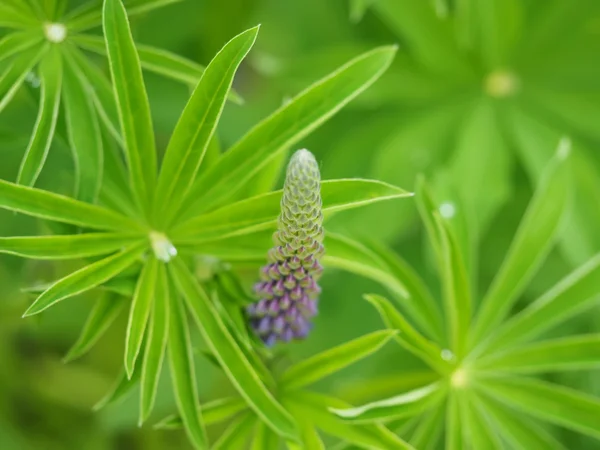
288 290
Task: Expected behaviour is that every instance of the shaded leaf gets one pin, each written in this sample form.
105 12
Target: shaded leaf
213 412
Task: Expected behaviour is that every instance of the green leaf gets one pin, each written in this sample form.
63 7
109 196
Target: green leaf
132 102
264 438
428 433
140 312
230 355
572 353
407 404
358 9
183 374
15 73
120 390
457 292
261 212
15 16
427 210
520 433
549 402
576 292
455 439
66 247
238 433
419 302
330 361
84 135
313 407
408 337
46 205
478 429
158 333
86 278
17 42
197 124
106 309
533 240
51 80
213 412
284 128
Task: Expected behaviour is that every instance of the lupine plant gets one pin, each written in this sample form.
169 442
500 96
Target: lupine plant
484 394
159 216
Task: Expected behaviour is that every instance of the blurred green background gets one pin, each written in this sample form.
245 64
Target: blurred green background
477 99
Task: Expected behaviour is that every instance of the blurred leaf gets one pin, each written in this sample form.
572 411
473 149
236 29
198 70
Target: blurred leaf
232 359
408 337
106 309
183 374
213 412
238 433
132 102
314 407
572 353
139 312
358 9
13 76
86 278
158 333
197 125
15 43
479 432
12 17
264 438
65 247
520 433
261 212
120 390
332 360
46 205
51 81
455 423
428 433
577 291
457 293
549 402
533 240
84 135
285 127
404 405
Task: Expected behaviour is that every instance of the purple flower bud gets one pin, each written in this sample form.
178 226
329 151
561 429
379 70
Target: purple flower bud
289 290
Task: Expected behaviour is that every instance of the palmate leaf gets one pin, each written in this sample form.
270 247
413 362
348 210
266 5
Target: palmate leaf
16 16
332 360
260 212
455 422
15 43
534 238
428 432
132 103
15 73
197 125
283 128
479 431
41 138
229 354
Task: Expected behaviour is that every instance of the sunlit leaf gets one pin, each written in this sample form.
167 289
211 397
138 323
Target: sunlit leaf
455 439
264 438
86 278
330 361
429 430
237 434
213 412
120 390
51 81
17 42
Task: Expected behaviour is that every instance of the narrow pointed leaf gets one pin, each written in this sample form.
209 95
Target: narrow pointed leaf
43 132
66 247
15 43
13 76
86 278
158 333
314 406
183 374
13 17
408 337
479 432
576 292
197 124
213 412
139 313
427 209
132 102
330 361
230 356
237 434
549 402
520 433
120 390
533 240
264 438
46 205
429 430
261 212
103 314
455 425
84 135
457 292
404 405
285 127
572 353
